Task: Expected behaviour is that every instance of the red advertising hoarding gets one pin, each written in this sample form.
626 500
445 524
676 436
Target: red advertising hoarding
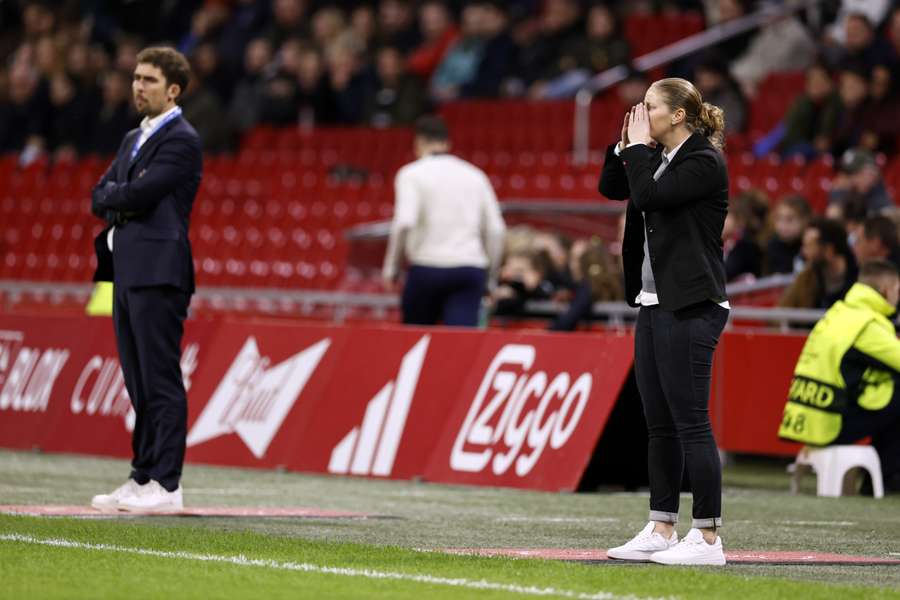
382 402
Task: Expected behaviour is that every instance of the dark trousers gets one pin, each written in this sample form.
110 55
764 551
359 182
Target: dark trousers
448 295
149 326
883 426
673 368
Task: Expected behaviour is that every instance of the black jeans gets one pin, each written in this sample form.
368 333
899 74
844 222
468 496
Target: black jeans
673 367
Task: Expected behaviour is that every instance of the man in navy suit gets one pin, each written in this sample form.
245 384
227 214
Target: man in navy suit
146 197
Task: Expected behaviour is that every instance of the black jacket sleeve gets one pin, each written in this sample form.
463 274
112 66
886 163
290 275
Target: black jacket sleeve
695 178
172 167
613 179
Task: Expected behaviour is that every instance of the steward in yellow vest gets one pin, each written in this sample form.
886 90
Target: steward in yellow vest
845 382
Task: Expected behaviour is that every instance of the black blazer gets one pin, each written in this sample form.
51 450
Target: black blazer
685 211
149 201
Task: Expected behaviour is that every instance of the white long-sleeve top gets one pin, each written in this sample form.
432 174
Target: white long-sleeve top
447 209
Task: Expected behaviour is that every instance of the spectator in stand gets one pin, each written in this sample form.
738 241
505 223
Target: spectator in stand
247 99
439 33
599 280
278 104
20 111
812 118
499 53
209 73
460 64
115 116
583 56
205 25
315 102
541 43
349 83
727 11
364 27
288 21
859 187
830 268
893 36
716 85
127 48
743 228
69 129
878 241
861 45
397 97
204 110
789 219
854 92
874 11
396 25
523 278
881 124
328 27
784 44
556 247
78 68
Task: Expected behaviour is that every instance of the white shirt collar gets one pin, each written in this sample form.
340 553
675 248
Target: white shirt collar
148 124
671 154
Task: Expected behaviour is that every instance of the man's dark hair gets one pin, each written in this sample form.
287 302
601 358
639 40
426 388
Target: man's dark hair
873 271
432 128
174 66
832 233
882 228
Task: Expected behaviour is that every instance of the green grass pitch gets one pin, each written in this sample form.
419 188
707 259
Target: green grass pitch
385 558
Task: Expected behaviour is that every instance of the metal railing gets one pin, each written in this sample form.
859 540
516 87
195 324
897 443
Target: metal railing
304 302
664 55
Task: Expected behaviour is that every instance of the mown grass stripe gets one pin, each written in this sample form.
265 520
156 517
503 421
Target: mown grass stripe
244 561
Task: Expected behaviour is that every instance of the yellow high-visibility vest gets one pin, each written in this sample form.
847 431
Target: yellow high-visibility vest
856 327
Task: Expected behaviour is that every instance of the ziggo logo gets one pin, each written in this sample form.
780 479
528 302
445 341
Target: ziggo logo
552 421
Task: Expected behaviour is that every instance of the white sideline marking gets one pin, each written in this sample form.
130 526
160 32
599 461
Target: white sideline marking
310 568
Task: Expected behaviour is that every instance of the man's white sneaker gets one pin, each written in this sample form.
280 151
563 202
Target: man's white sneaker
153 498
693 550
109 502
643 545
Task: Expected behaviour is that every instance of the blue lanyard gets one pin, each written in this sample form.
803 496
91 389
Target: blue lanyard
171 115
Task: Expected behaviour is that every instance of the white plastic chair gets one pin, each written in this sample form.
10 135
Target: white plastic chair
831 465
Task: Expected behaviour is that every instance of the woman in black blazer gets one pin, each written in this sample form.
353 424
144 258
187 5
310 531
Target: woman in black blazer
669 163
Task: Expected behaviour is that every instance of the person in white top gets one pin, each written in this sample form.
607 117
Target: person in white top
448 226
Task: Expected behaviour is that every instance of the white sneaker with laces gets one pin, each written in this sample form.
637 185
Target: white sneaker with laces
153 498
643 545
693 550
111 501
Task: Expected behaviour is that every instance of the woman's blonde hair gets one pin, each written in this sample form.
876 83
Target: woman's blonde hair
700 116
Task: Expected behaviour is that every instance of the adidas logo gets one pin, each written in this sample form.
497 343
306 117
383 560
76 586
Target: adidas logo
254 398
370 449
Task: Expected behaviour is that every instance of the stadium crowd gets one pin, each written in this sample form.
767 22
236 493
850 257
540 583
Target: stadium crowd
64 83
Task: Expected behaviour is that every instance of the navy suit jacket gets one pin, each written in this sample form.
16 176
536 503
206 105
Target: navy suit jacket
149 200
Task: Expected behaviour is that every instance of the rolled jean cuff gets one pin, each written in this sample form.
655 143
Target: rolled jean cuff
707 523
663 517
